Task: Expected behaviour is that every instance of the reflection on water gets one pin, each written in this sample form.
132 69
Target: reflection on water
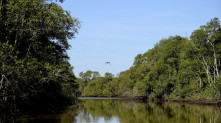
120 111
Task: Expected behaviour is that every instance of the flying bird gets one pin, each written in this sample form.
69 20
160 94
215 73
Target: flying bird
107 63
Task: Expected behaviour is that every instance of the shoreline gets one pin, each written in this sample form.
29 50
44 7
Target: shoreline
197 101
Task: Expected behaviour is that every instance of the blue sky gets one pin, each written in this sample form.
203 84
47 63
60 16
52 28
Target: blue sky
118 30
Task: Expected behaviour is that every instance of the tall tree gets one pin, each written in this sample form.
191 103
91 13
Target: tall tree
39 28
207 40
33 59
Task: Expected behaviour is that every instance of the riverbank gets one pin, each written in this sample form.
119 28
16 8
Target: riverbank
194 101
197 101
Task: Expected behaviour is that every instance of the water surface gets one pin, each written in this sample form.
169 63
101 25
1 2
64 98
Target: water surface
124 111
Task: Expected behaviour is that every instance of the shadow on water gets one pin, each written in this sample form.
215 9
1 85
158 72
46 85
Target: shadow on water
124 111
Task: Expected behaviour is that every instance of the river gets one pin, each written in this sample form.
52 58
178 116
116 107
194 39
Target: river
109 110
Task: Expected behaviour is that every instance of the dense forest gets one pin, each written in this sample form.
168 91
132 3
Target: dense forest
34 68
176 68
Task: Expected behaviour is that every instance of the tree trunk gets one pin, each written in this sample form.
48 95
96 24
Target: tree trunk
215 61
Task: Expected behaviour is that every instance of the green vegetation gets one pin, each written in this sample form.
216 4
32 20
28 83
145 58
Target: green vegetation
176 68
35 72
34 68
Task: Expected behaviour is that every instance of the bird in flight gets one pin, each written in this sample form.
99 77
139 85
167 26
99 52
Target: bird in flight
107 63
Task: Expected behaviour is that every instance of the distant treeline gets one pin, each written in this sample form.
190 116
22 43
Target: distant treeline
176 68
34 69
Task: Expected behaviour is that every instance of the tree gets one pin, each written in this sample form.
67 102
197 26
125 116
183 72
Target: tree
109 76
207 40
175 68
89 75
34 71
94 88
140 89
38 28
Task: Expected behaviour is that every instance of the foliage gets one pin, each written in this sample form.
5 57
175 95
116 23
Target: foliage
34 68
99 86
89 75
176 68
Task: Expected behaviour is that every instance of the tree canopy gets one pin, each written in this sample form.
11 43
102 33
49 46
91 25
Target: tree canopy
34 67
175 68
